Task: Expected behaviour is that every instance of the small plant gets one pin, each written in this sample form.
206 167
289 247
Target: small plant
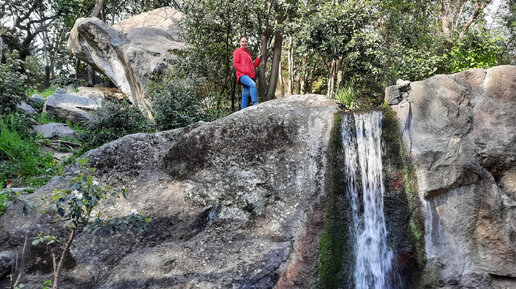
47 239
45 93
44 118
76 207
347 96
46 285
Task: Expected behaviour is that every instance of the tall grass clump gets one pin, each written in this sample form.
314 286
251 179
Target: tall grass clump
20 157
347 96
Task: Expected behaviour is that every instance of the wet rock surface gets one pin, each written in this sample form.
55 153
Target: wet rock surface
459 131
231 201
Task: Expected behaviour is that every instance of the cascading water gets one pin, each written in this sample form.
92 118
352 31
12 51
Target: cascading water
373 259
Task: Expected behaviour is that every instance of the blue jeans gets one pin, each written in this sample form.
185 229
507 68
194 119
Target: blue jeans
249 88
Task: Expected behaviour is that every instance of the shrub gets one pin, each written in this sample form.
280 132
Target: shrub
175 101
11 84
473 51
346 96
114 120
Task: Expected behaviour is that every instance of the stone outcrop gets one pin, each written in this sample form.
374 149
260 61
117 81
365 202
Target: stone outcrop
54 130
26 108
460 133
231 203
130 51
37 99
69 106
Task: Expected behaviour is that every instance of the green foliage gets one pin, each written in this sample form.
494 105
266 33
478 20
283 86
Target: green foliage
47 284
473 51
3 203
176 102
76 203
44 118
21 159
11 84
45 93
47 239
347 96
415 63
114 120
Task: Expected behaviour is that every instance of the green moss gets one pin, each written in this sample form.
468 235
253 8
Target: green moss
334 255
398 162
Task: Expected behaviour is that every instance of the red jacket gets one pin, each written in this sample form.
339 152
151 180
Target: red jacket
243 63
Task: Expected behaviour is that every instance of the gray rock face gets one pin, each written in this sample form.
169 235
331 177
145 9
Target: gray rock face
26 108
68 106
36 99
230 200
460 131
130 51
54 130
395 94
7 260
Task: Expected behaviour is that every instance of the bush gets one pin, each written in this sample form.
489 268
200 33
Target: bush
114 120
175 102
346 96
11 83
473 51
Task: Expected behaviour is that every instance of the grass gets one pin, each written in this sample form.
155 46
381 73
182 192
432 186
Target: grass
347 96
3 203
45 93
44 118
20 157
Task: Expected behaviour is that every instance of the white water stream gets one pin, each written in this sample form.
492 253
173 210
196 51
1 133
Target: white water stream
373 259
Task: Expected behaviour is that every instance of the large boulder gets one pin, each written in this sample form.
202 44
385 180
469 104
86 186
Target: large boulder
54 130
460 133
70 106
130 51
231 203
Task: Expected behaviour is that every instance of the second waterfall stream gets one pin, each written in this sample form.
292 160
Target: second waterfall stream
373 259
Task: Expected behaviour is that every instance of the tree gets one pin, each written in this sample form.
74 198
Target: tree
458 15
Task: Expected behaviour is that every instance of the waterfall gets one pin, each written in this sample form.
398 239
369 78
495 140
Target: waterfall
373 259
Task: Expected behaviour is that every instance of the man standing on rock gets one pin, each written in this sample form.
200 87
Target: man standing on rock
244 66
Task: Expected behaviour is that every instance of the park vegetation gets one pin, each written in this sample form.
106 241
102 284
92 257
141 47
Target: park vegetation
347 49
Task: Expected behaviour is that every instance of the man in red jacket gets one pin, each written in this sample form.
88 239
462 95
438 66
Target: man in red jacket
244 66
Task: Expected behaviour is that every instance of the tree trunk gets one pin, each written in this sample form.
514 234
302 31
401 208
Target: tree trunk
331 78
261 84
233 90
291 68
339 72
91 76
1 44
61 260
77 67
273 80
99 5
282 82
47 76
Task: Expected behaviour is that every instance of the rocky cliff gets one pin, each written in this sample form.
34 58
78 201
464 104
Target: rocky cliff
459 132
130 51
256 199
232 203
